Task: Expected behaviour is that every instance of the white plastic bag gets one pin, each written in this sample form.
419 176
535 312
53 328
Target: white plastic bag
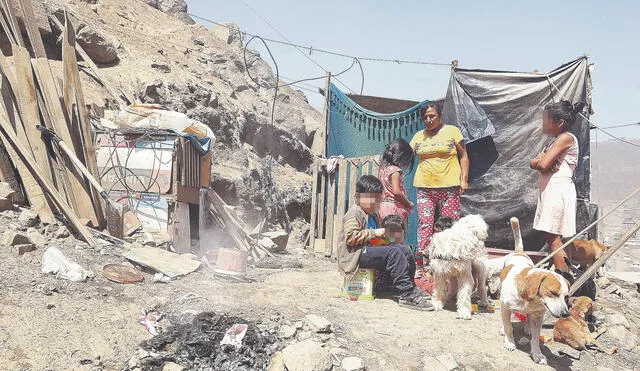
53 261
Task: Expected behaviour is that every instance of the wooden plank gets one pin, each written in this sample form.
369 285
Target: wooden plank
166 262
204 173
322 204
325 114
313 217
11 114
353 179
331 209
26 7
80 127
9 136
6 28
341 200
78 195
94 68
12 21
181 228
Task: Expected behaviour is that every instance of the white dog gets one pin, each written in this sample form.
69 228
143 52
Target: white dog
530 291
456 255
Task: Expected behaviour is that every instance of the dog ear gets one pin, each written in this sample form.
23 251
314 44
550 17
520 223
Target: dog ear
571 301
534 282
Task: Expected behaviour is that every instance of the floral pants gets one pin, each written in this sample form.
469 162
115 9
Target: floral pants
430 200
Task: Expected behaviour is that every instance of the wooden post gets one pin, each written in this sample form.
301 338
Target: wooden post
313 218
322 204
326 115
181 228
353 179
342 201
331 202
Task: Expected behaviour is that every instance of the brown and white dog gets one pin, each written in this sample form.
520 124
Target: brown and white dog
574 330
529 291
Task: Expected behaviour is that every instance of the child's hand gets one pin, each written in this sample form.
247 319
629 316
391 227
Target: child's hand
380 232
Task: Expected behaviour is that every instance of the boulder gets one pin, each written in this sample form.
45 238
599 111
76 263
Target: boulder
28 218
317 324
36 238
279 238
287 332
352 364
621 337
12 238
100 49
24 248
307 355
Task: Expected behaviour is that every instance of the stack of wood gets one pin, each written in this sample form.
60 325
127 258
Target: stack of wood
214 210
32 95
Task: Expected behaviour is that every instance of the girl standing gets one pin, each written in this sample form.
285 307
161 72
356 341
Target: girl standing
556 211
396 156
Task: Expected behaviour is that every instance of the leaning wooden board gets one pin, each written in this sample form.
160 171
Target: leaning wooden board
170 264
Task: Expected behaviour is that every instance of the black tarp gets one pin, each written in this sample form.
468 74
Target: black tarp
504 109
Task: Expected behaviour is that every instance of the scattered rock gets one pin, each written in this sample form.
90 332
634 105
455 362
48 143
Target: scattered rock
337 352
24 248
307 355
317 323
617 318
602 282
62 232
36 238
28 218
621 337
162 67
148 240
170 366
51 306
276 364
6 204
611 289
352 364
98 47
279 238
448 362
12 238
184 17
168 6
432 364
299 325
287 332
304 335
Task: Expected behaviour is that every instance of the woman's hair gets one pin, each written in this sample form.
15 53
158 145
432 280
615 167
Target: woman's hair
565 111
443 222
435 104
398 153
368 184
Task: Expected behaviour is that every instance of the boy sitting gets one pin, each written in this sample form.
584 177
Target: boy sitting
356 251
394 234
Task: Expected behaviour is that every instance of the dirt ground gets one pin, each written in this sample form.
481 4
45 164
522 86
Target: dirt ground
47 323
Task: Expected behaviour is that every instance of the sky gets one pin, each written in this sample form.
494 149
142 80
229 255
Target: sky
494 35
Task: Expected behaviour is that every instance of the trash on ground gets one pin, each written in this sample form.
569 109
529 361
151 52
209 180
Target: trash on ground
161 278
189 296
234 335
53 261
150 320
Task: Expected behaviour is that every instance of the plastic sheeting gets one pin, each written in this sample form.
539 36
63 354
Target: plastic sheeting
505 108
500 116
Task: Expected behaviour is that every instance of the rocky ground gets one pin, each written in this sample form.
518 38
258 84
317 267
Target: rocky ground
48 323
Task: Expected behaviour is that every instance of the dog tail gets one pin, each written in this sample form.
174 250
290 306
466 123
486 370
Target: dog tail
517 237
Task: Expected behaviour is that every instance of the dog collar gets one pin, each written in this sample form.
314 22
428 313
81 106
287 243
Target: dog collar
574 313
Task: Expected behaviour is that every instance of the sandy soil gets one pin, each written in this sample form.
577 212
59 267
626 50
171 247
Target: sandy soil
50 324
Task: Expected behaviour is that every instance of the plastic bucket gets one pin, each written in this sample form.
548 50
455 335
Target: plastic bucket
212 256
231 262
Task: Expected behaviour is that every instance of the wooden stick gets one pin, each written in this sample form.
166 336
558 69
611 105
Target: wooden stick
314 204
330 214
37 172
603 259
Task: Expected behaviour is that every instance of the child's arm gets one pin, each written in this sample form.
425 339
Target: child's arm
545 163
397 191
356 234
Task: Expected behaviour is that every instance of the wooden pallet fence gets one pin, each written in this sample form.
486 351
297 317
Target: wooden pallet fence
332 194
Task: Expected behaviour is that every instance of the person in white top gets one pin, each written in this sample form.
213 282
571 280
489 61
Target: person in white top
556 211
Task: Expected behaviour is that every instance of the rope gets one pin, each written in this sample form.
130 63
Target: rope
284 37
589 272
589 121
337 54
588 227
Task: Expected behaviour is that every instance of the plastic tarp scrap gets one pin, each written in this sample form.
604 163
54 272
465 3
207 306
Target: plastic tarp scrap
508 106
151 116
54 261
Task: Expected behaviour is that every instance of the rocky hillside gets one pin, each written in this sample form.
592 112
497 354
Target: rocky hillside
155 57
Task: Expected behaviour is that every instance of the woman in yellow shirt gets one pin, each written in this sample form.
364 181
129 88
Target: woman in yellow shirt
442 173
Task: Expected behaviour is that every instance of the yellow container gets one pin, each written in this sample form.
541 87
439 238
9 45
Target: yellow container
360 285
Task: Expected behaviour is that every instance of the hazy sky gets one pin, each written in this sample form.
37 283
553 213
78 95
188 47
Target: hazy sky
497 35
